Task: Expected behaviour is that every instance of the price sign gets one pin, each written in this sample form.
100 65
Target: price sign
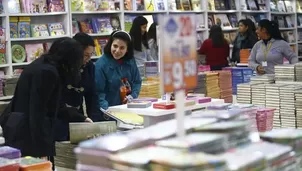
178 52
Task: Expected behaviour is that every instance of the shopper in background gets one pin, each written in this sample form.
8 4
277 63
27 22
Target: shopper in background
28 122
271 49
138 33
216 49
245 39
73 95
152 42
115 71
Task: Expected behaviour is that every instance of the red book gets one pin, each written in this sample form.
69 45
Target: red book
164 105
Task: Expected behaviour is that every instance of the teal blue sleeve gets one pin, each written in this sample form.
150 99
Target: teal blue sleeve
100 81
137 81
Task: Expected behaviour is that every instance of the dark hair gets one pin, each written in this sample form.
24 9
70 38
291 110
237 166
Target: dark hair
84 39
216 36
136 34
272 28
152 31
67 55
251 26
122 35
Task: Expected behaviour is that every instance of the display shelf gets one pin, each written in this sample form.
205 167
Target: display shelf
20 64
37 38
37 14
95 12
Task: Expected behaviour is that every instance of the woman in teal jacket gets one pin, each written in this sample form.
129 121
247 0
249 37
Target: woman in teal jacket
116 64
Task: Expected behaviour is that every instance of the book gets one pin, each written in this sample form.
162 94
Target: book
81 131
34 51
56 29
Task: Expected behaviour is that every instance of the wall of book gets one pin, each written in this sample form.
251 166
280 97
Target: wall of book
29 26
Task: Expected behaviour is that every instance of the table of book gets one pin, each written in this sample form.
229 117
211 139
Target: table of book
152 116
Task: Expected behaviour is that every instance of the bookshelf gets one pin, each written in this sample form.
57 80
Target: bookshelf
239 9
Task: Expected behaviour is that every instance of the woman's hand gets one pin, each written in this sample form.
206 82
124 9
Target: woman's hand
128 99
260 70
88 120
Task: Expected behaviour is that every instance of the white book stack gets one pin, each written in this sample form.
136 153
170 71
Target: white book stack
298 105
298 72
258 94
272 100
285 72
287 106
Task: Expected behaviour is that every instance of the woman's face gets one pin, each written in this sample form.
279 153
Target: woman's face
242 28
144 29
261 32
118 48
87 54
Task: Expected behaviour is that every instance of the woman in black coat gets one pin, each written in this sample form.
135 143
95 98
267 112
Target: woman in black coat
245 39
73 95
28 122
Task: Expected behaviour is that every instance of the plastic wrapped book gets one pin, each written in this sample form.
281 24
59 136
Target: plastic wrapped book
80 131
9 152
126 118
30 163
8 165
197 142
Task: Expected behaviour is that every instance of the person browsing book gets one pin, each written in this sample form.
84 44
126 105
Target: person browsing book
270 50
245 39
216 49
73 96
28 121
117 77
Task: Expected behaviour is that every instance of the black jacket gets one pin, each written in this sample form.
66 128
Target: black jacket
28 122
72 102
247 43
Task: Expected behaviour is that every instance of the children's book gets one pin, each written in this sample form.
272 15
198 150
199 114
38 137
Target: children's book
14 6
77 5
33 51
56 29
38 6
56 6
39 30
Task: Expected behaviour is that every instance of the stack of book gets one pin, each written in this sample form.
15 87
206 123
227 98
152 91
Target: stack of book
225 84
258 94
272 100
212 86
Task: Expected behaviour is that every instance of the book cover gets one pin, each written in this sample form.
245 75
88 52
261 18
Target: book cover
56 29
34 51
56 6
160 5
38 6
39 30
77 5
24 29
89 5
14 7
